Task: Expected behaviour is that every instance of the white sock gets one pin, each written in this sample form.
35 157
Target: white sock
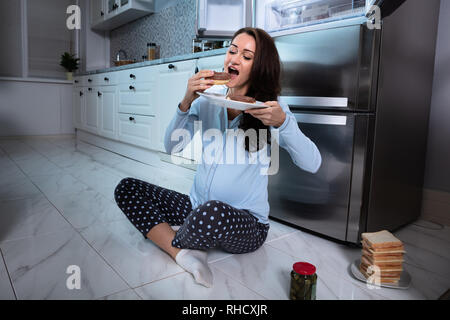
194 261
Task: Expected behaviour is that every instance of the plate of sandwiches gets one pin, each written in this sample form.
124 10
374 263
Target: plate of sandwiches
381 261
232 101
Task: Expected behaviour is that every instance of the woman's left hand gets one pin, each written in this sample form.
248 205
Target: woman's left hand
272 116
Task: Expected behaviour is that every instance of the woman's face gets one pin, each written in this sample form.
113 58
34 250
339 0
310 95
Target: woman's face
239 60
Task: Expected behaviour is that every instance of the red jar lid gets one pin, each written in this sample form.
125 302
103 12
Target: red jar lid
304 268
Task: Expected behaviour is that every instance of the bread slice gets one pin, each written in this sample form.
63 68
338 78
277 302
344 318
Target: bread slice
383 279
395 249
385 268
382 265
385 251
383 272
382 256
381 239
220 82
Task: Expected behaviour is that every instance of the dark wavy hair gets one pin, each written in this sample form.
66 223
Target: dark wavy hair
264 81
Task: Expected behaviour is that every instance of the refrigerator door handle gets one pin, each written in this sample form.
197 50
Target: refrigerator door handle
321 119
302 101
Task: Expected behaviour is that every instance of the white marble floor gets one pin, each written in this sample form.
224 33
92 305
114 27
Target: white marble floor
57 210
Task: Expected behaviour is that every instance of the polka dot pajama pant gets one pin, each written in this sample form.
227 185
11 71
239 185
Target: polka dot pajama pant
212 224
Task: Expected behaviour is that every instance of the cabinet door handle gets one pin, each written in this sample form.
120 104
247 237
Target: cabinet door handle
131 118
132 88
89 80
171 66
106 79
102 13
132 76
81 93
99 93
90 89
76 81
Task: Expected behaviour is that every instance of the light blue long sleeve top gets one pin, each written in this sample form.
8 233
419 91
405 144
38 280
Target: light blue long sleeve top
241 185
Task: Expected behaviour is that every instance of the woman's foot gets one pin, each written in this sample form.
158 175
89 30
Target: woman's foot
194 261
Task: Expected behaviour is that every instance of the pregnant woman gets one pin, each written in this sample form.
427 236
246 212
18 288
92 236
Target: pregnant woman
228 203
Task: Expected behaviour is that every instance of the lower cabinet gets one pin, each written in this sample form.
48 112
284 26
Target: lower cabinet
135 106
172 82
138 98
78 104
107 109
92 100
136 129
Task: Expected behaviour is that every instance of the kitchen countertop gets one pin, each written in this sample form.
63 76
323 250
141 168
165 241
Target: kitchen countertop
190 56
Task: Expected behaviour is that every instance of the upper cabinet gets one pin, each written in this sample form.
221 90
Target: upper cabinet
97 11
219 18
110 14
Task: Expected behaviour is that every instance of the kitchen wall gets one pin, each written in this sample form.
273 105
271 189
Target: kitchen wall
35 107
29 106
173 28
436 199
11 35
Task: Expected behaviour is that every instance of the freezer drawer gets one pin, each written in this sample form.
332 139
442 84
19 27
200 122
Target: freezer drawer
218 18
320 202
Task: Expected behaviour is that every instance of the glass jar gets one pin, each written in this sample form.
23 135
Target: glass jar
303 281
151 51
196 45
206 45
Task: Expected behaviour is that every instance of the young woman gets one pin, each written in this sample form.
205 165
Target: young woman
228 203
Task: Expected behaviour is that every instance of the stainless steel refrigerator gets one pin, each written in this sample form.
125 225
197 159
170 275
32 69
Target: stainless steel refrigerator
363 96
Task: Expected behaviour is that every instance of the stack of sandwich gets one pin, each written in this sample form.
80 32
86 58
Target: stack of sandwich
382 257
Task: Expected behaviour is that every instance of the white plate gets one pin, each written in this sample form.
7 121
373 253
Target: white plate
222 101
403 283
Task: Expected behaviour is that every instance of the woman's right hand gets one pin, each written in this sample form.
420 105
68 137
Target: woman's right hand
196 83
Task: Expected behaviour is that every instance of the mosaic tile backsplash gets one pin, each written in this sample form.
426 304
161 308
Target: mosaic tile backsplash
172 28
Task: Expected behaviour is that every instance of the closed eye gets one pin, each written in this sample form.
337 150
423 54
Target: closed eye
230 51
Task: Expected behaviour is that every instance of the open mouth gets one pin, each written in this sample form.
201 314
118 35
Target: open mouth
233 72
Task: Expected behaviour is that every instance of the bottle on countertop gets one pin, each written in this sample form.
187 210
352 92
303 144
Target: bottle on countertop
151 51
196 45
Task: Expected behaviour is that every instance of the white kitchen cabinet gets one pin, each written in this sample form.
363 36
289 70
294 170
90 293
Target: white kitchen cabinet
138 98
136 129
136 75
107 109
120 12
91 113
172 83
135 106
97 11
78 105
104 79
77 81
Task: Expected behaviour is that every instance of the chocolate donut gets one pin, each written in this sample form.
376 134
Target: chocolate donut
243 99
220 78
